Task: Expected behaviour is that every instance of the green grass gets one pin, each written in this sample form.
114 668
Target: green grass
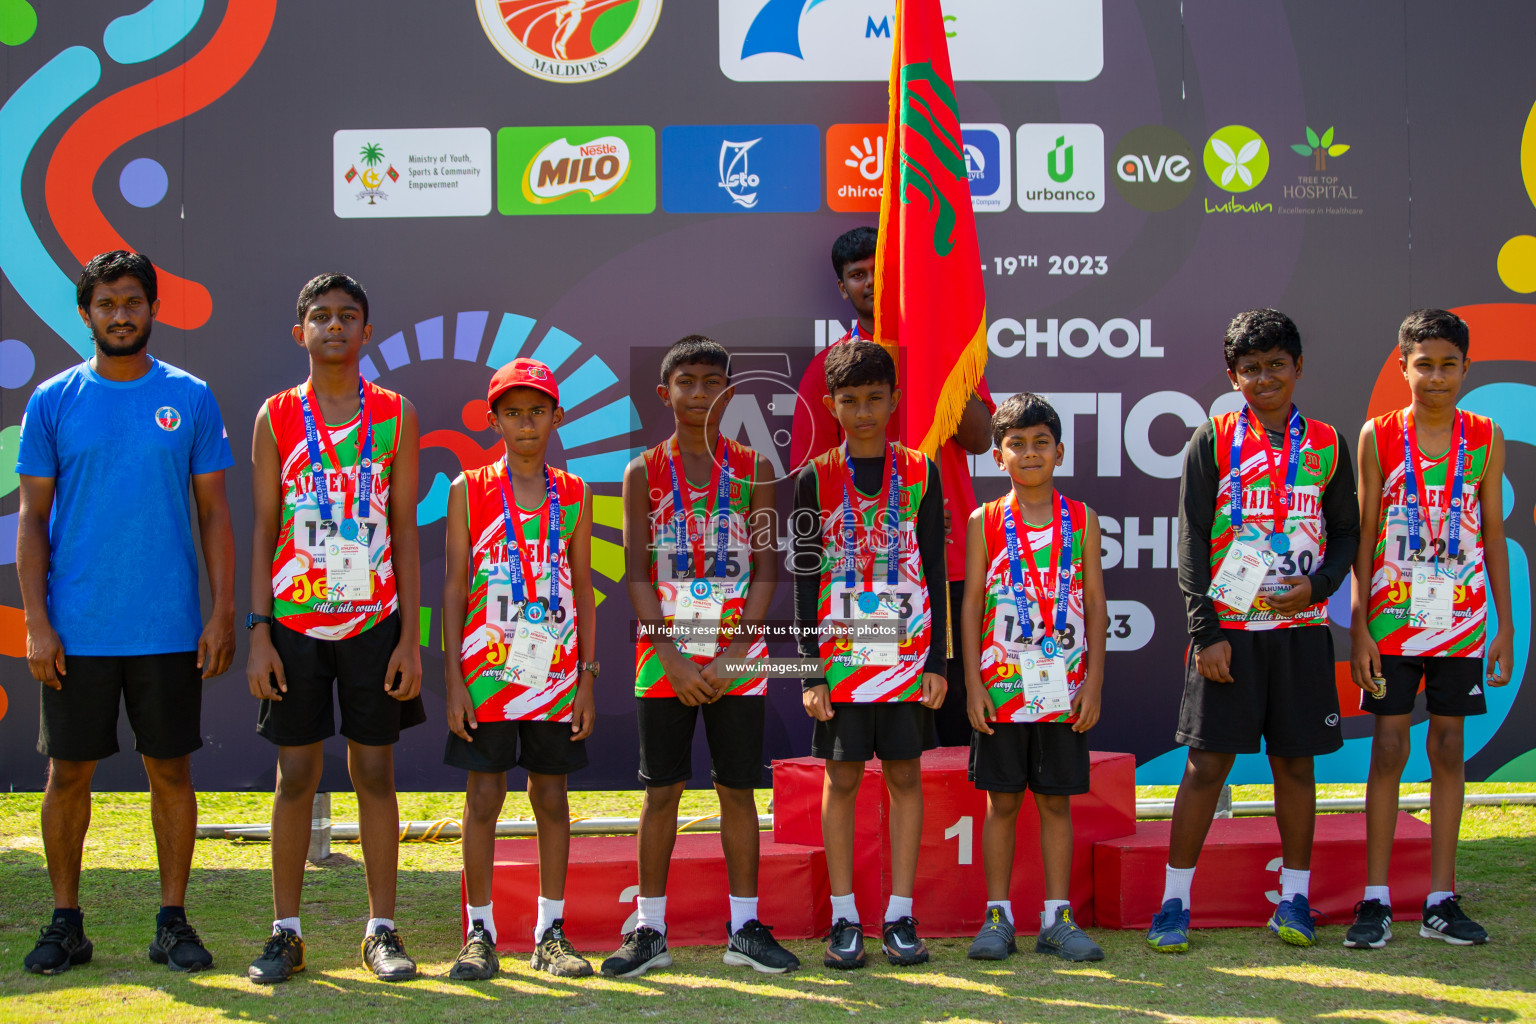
1230 975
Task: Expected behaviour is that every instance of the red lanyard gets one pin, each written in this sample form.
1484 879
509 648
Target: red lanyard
515 513
1423 469
1279 477
681 492
1045 598
882 501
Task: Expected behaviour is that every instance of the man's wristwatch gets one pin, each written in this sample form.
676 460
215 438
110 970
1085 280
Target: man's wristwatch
252 620
587 666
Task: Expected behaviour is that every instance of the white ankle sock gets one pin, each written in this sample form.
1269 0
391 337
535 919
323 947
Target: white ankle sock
486 915
1436 897
1006 906
743 909
845 907
374 922
1048 915
1379 892
550 911
291 923
898 908
653 913
1177 883
1293 883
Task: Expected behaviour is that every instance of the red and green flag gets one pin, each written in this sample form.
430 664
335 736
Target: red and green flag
930 307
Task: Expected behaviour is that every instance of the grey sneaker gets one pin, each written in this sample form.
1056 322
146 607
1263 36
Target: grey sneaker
1066 940
995 940
556 955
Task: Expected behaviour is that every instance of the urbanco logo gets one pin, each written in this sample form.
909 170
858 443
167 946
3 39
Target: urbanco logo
1154 168
593 169
1236 158
568 40
1061 168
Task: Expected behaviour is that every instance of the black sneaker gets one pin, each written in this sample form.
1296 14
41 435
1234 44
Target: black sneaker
60 945
642 949
281 958
477 961
754 946
1065 939
845 946
1372 927
177 946
1445 921
556 955
385 955
902 946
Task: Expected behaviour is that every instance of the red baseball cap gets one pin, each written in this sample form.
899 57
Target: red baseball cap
523 373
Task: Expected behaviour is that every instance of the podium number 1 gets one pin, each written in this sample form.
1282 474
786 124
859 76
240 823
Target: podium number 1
962 831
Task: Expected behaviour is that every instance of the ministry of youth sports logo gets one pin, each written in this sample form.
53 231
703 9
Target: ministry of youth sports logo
568 40
167 418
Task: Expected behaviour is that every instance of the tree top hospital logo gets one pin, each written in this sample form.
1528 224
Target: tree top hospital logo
568 40
167 418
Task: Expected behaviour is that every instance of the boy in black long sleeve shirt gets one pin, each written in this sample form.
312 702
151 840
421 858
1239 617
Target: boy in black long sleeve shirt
1268 529
868 560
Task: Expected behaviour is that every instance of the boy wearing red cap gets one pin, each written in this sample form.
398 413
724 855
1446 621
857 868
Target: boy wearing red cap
518 606
335 604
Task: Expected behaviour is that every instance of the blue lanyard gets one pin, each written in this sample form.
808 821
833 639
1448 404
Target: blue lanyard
1062 568
514 536
892 521
317 465
1281 503
681 534
1411 486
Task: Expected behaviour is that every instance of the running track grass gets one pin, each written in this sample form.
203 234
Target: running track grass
1229 975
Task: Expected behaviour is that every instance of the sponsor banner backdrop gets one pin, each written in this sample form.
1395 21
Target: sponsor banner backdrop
1146 174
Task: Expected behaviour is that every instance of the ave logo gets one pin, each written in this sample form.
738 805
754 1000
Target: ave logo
1154 168
568 40
597 169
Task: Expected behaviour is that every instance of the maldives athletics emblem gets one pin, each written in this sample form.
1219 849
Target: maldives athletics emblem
568 40
167 418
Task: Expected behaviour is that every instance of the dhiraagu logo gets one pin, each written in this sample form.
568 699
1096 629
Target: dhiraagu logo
1236 158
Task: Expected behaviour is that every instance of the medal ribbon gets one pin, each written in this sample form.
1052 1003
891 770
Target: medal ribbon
890 496
313 437
1060 566
1280 504
1452 524
682 534
520 565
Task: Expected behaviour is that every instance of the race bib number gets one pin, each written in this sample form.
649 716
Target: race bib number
700 605
1240 575
348 569
874 619
738 557
530 654
311 534
1431 599
1044 683
502 609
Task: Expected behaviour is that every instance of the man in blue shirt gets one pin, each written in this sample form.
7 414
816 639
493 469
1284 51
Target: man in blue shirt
109 584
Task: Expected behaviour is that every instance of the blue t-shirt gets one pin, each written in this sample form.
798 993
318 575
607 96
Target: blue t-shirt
122 575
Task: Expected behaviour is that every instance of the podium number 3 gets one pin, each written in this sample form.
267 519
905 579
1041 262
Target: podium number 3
963 831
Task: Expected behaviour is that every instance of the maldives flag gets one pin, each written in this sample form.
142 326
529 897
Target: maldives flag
930 306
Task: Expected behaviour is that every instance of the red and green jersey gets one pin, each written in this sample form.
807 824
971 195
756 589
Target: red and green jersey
1394 560
299 593
1010 626
850 678
667 572
1304 524
492 613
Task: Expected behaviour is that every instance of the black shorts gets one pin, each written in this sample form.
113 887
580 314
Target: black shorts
1453 687
163 694
732 725
889 730
1282 689
547 749
1046 758
356 666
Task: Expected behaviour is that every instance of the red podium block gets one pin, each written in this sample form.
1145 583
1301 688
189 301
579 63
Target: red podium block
603 881
950 894
1238 883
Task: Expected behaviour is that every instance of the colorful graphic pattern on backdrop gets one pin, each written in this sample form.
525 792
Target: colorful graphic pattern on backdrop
1144 175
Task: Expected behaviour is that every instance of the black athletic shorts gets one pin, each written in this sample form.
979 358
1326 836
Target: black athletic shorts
1453 687
889 730
732 725
356 666
1047 758
546 748
163 694
1282 689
